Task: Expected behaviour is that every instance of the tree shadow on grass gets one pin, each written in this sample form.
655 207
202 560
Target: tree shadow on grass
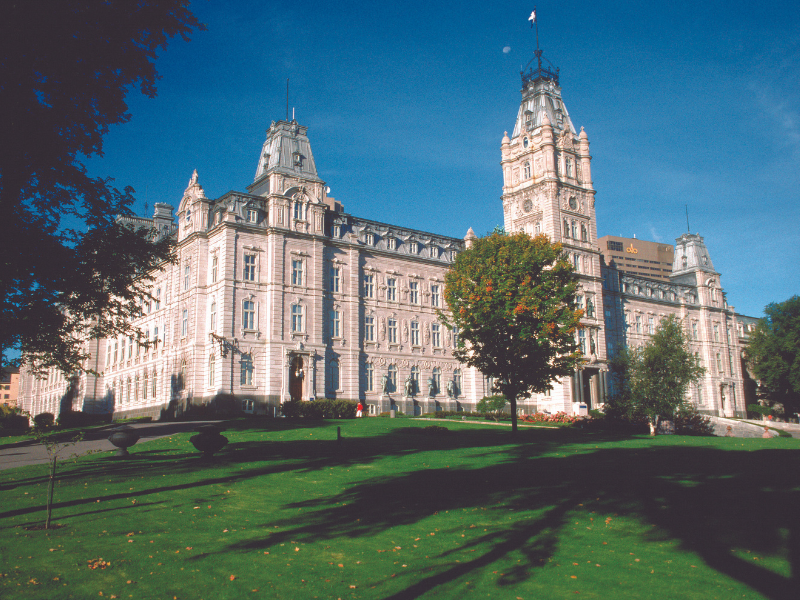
711 501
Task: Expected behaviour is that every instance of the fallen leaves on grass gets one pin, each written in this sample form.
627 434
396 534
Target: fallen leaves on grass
98 563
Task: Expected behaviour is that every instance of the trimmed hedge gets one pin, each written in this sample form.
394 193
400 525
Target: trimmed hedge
44 420
81 419
320 409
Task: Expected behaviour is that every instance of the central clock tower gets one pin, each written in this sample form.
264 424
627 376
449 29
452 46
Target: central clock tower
547 189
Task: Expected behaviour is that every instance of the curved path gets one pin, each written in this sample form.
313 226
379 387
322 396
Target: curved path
30 452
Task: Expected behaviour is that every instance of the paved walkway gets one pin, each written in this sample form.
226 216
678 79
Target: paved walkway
29 452
752 429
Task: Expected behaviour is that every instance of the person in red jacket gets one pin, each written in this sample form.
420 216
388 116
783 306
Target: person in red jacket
359 409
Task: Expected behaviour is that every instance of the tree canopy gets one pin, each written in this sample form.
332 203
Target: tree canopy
512 298
774 353
69 268
651 381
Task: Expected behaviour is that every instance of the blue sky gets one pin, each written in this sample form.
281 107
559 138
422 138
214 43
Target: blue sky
406 104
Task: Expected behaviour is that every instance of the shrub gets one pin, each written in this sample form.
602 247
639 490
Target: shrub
81 419
690 422
44 420
320 409
559 417
14 421
291 409
490 406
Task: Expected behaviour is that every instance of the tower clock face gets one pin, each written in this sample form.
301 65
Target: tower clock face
527 206
573 204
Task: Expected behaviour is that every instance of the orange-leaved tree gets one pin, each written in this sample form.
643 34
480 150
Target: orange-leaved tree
512 298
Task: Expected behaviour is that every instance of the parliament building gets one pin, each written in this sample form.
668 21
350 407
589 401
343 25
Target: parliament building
278 293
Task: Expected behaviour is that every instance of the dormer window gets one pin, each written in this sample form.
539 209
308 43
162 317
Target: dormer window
369 239
252 215
337 231
299 213
297 159
413 248
391 243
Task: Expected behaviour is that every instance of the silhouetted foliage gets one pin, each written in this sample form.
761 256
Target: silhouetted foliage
70 269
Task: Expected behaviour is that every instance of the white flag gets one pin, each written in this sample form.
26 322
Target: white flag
532 18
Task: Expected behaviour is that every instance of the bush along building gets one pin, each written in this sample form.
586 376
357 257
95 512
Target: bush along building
278 294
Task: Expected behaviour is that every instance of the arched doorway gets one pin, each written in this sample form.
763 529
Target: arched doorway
296 377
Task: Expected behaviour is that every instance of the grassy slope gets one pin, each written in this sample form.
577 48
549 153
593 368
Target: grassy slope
394 513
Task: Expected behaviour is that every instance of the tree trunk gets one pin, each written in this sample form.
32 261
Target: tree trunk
50 492
513 403
653 422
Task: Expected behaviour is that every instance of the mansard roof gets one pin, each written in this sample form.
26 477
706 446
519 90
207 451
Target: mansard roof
287 150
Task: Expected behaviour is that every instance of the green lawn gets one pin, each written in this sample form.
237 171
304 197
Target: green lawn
394 512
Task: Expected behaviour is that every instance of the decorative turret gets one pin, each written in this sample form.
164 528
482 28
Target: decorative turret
286 153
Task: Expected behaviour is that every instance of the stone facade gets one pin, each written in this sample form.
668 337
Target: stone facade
279 294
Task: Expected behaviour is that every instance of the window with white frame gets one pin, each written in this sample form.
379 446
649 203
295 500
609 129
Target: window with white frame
415 333
719 364
651 326
413 292
337 231
108 353
249 314
297 318
369 285
334 280
247 370
369 239
638 326
187 271
582 340
436 335
213 319
435 297
334 376
391 289
214 264
249 267
297 271
391 374
158 299
526 170
116 346
248 406
369 377
391 243
413 248
392 331
212 362
369 328
456 339
716 332
299 212
185 323
336 324
252 215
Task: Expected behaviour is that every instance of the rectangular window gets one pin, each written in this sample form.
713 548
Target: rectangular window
249 314
369 286
391 243
730 363
116 346
579 301
413 248
247 370
413 292
213 324
369 329
130 347
158 299
436 335
638 324
297 272
576 261
651 328
369 239
415 333
252 216
187 271
695 335
392 331
456 341
719 364
716 333
335 279
298 211
391 289
185 323
369 377
297 318
211 366
435 295
155 337
582 341
108 353
728 333
249 267
336 323
214 263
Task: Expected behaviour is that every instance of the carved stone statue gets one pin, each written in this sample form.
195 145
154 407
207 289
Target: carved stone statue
589 308
409 387
432 387
385 384
451 389
592 347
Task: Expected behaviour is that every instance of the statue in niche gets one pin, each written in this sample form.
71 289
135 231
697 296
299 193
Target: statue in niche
409 386
451 389
592 347
385 384
405 331
383 328
427 334
432 391
589 308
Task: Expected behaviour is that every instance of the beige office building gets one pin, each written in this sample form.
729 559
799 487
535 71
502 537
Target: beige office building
638 257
